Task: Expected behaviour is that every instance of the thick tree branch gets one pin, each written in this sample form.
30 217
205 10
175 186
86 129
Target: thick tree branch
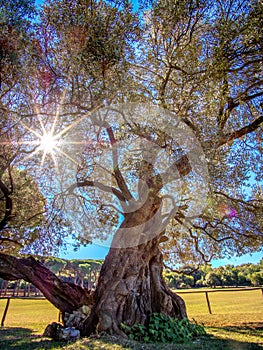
198 250
116 170
67 297
99 185
178 169
180 272
6 239
163 86
195 242
241 132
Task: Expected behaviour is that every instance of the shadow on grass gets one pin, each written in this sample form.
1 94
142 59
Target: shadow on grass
24 338
236 337
254 329
209 342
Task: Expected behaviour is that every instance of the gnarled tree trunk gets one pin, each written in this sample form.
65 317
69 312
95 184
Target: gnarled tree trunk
130 289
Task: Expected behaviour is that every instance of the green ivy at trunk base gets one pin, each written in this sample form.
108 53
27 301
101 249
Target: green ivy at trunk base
164 329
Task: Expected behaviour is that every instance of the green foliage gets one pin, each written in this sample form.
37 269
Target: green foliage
28 209
16 12
212 280
28 201
15 25
257 278
56 265
223 276
164 329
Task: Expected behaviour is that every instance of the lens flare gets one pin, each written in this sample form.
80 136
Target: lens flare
48 142
227 211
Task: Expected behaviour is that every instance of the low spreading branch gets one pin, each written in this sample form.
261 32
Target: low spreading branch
66 296
184 271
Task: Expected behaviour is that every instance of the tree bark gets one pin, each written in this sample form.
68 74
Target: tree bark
66 296
130 289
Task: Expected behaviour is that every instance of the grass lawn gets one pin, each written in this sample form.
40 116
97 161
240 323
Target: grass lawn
223 302
236 324
32 314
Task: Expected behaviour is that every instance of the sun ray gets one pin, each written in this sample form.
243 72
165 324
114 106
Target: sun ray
37 110
19 142
47 141
28 156
55 163
43 158
59 107
41 122
31 130
68 156
52 130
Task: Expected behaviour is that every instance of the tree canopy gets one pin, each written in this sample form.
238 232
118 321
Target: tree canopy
200 60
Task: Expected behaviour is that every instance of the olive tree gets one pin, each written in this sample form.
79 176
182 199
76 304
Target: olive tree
166 179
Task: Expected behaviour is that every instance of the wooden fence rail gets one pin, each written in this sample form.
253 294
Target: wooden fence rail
218 290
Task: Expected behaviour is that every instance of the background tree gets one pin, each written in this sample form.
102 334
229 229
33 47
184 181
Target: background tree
56 265
212 280
20 222
256 279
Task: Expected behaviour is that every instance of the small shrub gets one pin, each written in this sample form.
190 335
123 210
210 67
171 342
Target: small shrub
164 329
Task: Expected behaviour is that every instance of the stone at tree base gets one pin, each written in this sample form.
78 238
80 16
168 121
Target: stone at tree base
57 332
76 318
69 334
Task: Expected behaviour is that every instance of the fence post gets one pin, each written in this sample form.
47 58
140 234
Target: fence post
5 312
208 303
60 316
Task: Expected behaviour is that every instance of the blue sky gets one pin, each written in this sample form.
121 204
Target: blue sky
134 2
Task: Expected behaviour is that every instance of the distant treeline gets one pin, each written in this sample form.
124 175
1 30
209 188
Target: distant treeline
223 276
